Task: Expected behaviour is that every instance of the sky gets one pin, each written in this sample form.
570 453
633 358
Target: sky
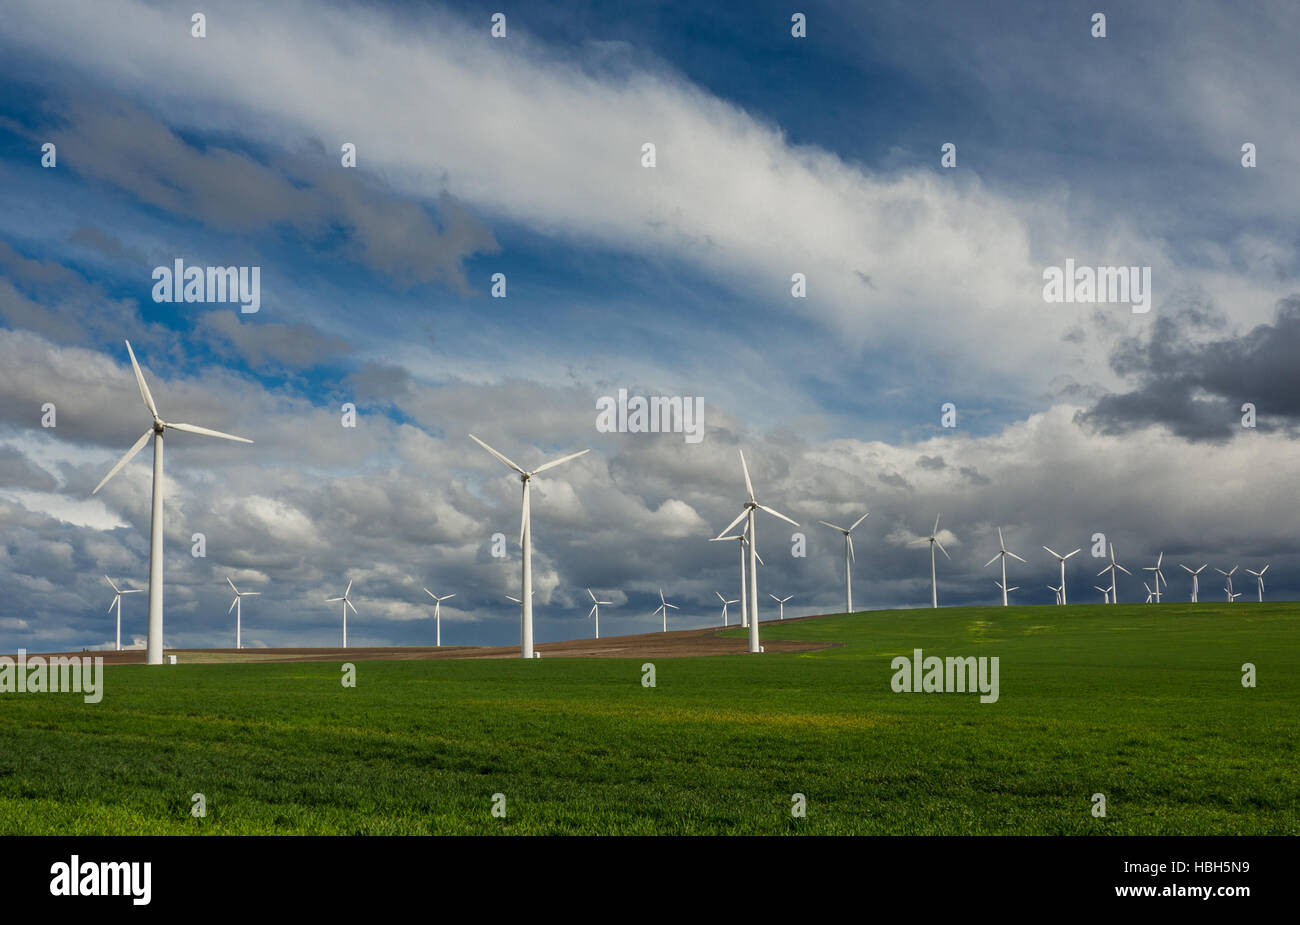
522 155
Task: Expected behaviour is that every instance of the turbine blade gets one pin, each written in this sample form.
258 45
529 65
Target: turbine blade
1122 569
232 585
1053 552
1073 553
749 486
139 378
130 454
110 584
232 605
832 526
333 600
497 455
764 507
859 520
111 606
555 462
991 561
525 514
743 515
759 558
348 589
1016 557
352 605
431 594
852 556
673 606
935 531
447 598
207 432
132 591
590 595
721 598
1002 544
942 550
249 593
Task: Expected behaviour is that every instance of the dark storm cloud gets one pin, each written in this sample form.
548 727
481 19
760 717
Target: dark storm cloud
1197 388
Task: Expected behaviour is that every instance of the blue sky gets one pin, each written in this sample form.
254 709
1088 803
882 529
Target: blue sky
521 156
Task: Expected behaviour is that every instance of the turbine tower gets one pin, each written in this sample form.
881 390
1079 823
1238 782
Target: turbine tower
663 608
725 603
1158 575
235 606
744 588
933 540
347 602
595 610
437 614
781 602
154 649
1114 594
747 514
117 602
1195 579
1003 552
1259 580
1060 592
849 558
526 544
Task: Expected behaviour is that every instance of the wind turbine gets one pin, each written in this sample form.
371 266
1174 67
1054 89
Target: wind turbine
595 610
1003 552
1195 579
1150 593
1060 592
117 602
1004 589
347 602
663 608
1228 575
933 540
234 605
437 614
849 558
747 514
744 588
1159 576
781 601
1105 593
154 648
526 544
725 602
1259 579
1114 594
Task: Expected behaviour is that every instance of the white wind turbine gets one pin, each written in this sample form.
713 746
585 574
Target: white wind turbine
235 606
1057 591
1150 593
1114 594
117 602
595 610
663 608
849 558
1259 580
1005 590
526 544
751 506
1228 575
1060 592
781 601
725 603
1195 579
437 614
933 540
744 588
1158 575
154 648
347 602
1105 593
1003 552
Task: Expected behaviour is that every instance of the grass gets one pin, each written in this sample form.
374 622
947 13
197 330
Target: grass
1143 704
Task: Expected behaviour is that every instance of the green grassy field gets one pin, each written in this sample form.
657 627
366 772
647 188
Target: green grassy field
1143 704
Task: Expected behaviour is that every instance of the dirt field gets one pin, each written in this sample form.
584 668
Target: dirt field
675 644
